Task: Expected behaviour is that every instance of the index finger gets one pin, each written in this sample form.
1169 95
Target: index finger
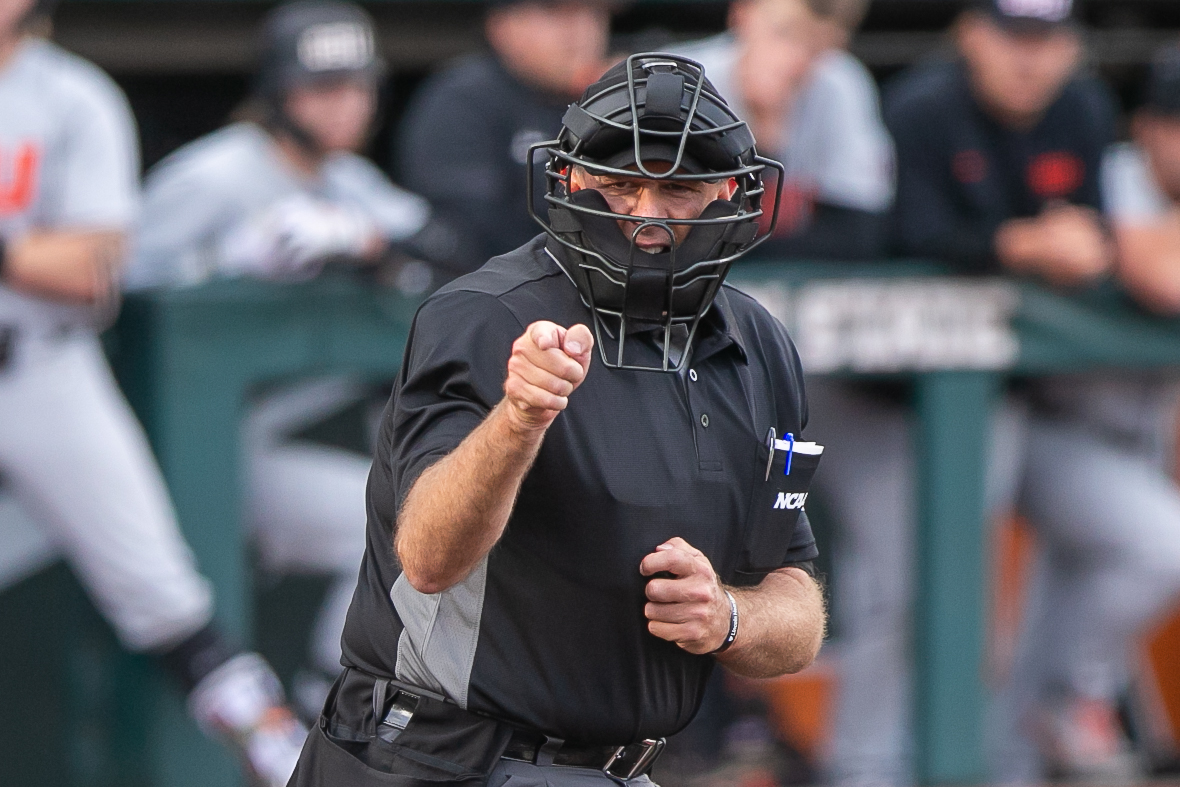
546 335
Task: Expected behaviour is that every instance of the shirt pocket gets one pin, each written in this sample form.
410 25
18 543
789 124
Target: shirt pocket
776 500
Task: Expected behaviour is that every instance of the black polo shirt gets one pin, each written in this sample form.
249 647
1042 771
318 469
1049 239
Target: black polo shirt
961 174
548 632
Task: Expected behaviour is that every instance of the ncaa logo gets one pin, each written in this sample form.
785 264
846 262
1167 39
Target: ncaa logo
790 501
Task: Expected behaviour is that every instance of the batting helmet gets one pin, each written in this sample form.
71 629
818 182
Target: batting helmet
653 107
310 41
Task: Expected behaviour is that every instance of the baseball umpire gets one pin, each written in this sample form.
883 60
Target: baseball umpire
569 526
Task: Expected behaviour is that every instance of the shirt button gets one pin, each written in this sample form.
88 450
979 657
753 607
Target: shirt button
692 375
705 420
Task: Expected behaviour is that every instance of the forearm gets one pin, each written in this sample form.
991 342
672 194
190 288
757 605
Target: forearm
74 267
1149 265
782 625
458 508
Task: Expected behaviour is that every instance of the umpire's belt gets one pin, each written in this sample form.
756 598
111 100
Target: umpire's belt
624 762
397 709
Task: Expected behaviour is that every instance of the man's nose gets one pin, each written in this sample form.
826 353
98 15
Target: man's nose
648 205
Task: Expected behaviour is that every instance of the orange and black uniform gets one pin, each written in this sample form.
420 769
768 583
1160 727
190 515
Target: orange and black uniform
961 174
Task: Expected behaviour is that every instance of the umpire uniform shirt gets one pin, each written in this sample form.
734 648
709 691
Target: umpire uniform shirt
548 631
961 174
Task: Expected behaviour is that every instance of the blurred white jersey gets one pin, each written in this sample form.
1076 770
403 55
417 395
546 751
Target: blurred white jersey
199 197
69 159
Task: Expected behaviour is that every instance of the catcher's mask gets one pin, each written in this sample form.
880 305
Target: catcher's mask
654 107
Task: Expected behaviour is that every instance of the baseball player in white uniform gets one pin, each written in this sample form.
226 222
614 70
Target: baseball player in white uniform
71 452
275 198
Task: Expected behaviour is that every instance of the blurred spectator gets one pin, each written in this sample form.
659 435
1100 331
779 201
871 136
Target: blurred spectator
1111 562
999 171
466 133
275 198
70 448
999 153
814 107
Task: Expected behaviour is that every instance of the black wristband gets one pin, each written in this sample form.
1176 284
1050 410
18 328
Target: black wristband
3 255
733 625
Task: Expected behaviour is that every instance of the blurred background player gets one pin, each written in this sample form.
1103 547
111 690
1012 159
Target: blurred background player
1100 492
275 197
492 107
71 451
992 137
999 172
814 107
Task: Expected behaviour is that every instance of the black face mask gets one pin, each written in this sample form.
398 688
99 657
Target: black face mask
652 108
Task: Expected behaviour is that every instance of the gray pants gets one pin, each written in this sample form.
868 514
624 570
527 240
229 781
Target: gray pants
1107 520
510 773
75 458
1108 529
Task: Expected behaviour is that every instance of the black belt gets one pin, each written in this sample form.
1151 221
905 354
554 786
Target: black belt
623 762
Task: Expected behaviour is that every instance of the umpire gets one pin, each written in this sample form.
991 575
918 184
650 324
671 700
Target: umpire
570 525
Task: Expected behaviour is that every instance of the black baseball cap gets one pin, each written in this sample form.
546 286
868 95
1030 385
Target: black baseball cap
1163 82
1031 16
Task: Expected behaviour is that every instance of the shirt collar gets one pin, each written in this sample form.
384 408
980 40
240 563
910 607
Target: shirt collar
719 330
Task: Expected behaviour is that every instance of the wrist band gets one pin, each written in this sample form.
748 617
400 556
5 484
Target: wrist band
3 256
733 625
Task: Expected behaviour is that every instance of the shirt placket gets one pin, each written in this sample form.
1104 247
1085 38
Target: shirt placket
704 429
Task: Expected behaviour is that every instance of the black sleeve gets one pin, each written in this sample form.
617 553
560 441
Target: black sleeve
448 155
834 233
453 375
803 548
926 222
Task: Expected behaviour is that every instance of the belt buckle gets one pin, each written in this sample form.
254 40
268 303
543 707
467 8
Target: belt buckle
652 750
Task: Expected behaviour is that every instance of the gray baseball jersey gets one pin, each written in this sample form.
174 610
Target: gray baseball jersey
71 452
837 147
204 191
68 160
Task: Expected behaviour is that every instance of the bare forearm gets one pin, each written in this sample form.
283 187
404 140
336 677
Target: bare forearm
1149 265
782 625
457 510
74 267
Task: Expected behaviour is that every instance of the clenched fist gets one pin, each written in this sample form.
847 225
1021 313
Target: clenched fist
548 364
690 608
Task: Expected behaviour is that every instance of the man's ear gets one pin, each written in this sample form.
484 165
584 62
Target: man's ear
577 179
729 188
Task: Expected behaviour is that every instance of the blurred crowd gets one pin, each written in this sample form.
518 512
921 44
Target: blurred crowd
1004 157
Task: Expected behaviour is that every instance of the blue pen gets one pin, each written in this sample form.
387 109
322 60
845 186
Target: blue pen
790 438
